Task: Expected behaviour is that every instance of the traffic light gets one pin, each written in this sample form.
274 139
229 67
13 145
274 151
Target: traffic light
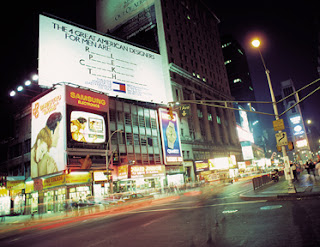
290 146
279 148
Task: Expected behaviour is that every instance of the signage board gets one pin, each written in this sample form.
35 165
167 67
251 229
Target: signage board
281 138
278 125
68 53
48 134
184 110
170 136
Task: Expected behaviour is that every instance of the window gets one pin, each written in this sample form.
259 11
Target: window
218 120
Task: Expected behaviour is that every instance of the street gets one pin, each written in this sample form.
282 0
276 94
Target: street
216 217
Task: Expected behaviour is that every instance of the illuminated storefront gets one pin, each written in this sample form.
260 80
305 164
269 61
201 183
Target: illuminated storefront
136 178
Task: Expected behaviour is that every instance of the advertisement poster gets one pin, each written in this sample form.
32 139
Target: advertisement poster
48 134
112 13
68 53
170 137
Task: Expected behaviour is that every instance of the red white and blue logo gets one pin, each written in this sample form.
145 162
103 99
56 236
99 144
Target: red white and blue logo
119 87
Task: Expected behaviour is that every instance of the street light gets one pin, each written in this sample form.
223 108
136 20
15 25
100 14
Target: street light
291 188
107 160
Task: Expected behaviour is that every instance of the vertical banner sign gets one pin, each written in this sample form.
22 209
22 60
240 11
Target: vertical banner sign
48 134
171 143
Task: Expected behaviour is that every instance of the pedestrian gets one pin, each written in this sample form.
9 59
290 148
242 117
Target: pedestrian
312 167
294 171
307 167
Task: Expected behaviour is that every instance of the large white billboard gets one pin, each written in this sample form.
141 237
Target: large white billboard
71 54
48 134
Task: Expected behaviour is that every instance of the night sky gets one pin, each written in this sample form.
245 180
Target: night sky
288 31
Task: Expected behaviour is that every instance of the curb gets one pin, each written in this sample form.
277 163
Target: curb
281 197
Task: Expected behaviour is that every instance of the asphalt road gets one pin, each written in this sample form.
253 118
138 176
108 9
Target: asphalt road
216 217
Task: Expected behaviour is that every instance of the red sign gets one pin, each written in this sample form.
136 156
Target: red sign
87 99
37 184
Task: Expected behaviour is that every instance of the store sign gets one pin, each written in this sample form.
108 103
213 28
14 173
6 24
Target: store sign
201 166
99 176
301 143
170 137
15 185
78 178
123 172
54 181
29 187
37 184
222 163
174 169
75 55
87 99
247 151
146 171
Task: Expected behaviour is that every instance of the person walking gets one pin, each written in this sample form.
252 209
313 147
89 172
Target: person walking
294 171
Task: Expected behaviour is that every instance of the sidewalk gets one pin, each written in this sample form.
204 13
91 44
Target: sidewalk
307 186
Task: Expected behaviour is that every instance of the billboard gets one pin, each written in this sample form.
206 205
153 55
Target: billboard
48 134
171 143
71 54
113 13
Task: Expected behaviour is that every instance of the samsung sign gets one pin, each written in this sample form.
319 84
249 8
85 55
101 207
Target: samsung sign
297 126
71 54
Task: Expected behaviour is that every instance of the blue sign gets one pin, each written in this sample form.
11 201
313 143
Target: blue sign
170 137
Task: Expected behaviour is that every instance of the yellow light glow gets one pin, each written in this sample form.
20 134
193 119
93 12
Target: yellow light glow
256 43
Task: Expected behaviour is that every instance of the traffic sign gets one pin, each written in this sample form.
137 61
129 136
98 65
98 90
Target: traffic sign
184 110
278 125
282 139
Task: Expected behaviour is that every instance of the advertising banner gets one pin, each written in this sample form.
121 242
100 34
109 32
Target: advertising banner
54 181
146 171
48 134
71 54
112 13
170 137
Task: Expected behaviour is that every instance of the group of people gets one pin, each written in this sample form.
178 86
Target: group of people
313 168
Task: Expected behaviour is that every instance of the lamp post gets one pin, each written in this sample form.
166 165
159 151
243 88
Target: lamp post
291 188
108 161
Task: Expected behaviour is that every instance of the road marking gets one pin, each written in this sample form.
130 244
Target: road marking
195 207
230 211
270 207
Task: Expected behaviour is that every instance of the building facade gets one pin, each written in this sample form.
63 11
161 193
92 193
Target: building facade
186 35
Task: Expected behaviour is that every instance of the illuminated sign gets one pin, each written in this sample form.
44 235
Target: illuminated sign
222 163
170 137
201 166
87 99
301 143
298 130
48 134
244 135
71 54
146 171
295 119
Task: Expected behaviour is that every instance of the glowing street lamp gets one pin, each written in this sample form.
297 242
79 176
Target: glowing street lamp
256 44
20 88
27 83
12 93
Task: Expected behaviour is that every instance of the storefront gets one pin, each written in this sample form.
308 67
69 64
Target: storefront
175 175
16 187
137 178
51 192
4 201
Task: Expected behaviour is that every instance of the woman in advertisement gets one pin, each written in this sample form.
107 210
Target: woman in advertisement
42 163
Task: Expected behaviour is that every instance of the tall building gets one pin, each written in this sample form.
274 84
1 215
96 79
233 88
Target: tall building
186 35
241 88
294 121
